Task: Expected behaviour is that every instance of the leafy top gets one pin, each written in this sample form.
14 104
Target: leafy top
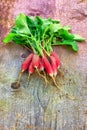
39 33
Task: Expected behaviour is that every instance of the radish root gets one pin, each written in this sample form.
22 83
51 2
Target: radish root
42 76
28 79
19 77
70 97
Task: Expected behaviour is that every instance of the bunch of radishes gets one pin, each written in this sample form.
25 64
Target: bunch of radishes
49 64
40 35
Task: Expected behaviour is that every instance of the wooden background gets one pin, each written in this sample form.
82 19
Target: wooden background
36 106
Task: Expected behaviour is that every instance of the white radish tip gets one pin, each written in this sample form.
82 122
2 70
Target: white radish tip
51 74
30 72
41 69
55 74
22 71
58 67
35 67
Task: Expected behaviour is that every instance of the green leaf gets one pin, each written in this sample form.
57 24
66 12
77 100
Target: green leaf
55 27
68 28
73 44
54 21
10 37
64 34
39 20
77 37
30 21
21 24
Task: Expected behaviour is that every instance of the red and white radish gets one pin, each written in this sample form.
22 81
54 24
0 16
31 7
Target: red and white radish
35 60
27 62
58 63
31 68
47 66
41 65
53 65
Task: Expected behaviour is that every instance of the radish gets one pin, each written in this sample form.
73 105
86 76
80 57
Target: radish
35 61
31 68
41 65
49 70
53 65
27 62
57 59
47 66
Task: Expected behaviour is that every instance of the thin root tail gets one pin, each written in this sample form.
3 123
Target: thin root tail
70 97
42 76
19 77
28 79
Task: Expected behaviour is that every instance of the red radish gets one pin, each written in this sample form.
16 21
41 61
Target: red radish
35 60
47 66
57 59
53 65
31 68
27 62
41 65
